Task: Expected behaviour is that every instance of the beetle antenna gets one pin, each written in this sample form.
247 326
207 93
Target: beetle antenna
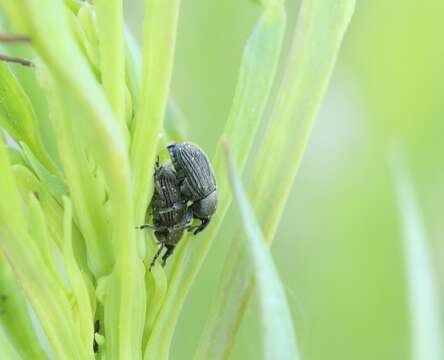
157 164
167 254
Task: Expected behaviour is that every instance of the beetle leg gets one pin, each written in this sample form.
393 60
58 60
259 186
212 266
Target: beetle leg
168 253
156 256
202 226
149 226
190 228
144 226
186 223
157 165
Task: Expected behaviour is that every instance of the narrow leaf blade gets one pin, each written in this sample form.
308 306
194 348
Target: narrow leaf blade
426 328
279 339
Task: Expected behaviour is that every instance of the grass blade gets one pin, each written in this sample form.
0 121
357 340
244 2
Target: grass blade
84 312
318 36
9 351
82 95
109 14
316 42
160 26
55 184
17 116
14 316
27 183
86 194
279 340
426 327
43 292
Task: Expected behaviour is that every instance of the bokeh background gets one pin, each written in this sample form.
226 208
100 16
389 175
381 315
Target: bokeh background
339 248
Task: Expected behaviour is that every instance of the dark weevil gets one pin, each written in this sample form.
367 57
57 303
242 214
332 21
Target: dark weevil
171 216
196 180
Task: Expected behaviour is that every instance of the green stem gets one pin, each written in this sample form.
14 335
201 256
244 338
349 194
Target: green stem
278 337
41 289
15 318
422 281
82 95
112 54
158 54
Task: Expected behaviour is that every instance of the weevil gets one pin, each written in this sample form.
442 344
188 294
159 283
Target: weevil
171 216
196 181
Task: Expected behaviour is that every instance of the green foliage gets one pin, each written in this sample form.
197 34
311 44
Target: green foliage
17 116
68 232
296 106
278 334
426 327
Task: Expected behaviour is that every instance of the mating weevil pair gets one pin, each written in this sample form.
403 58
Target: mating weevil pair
188 178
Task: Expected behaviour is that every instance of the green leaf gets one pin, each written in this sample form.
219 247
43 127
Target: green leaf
14 316
175 123
316 42
81 27
88 195
27 183
87 21
73 5
83 311
278 336
156 283
42 291
15 156
109 14
422 279
86 110
54 184
17 116
133 68
14 15
158 53
8 350
318 36
42 239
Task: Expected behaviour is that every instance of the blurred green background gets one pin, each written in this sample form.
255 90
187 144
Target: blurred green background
339 250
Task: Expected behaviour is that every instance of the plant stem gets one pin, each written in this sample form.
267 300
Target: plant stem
158 54
112 54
